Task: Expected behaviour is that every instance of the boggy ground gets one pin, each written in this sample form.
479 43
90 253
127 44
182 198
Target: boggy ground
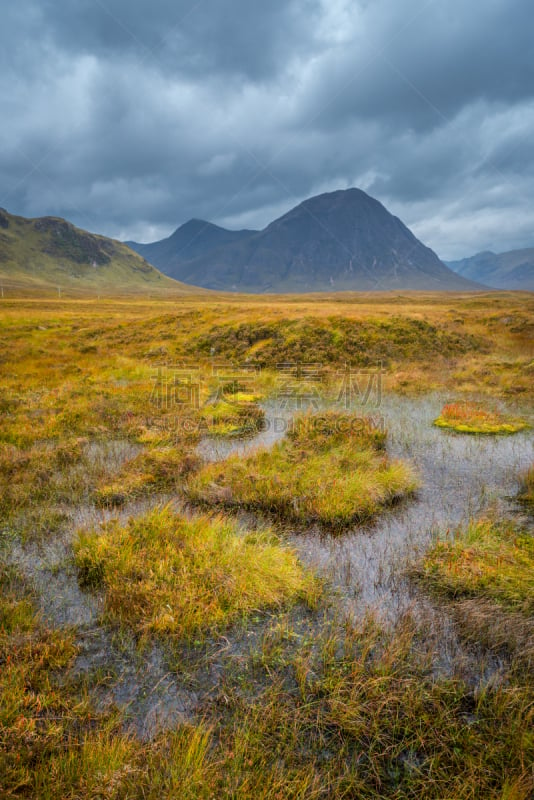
369 686
289 482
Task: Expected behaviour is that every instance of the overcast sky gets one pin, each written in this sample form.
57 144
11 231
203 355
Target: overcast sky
128 117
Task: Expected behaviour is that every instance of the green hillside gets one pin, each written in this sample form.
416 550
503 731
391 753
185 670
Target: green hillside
51 252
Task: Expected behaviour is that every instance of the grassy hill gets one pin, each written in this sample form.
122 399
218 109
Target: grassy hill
49 252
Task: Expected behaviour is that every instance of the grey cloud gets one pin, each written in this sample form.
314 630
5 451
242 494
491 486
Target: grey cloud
187 36
419 64
129 118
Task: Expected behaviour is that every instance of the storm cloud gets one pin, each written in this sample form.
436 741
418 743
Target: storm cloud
130 117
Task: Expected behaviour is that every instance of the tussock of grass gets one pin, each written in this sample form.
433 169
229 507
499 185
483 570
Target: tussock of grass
37 480
527 487
154 470
493 561
236 416
52 742
31 707
37 473
163 573
472 418
332 468
486 623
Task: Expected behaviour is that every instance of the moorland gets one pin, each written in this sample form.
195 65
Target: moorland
241 557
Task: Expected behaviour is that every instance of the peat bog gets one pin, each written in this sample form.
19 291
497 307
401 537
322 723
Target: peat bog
224 577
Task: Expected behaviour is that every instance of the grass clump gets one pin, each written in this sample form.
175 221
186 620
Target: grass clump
36 481
31 705
468 417
52 742
331 468
164 573
355 713
527 487
487 573
487 560
237 416
154 470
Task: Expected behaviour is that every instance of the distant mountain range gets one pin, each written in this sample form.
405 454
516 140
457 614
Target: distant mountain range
511 270
49 251
339 241
343 240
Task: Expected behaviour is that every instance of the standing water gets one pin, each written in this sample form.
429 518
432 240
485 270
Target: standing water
461 478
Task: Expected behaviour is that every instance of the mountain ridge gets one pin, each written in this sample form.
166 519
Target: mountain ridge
189 241
512 269
337 241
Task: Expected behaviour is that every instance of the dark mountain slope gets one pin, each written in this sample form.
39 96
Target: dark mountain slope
342 240
192 240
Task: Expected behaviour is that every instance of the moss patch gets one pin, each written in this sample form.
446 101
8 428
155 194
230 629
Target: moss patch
472 418
237 416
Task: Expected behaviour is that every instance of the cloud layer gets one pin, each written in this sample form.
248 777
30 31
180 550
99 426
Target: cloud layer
130 117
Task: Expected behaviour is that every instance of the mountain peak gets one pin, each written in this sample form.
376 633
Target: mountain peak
340 198
196 223
340 240
189 241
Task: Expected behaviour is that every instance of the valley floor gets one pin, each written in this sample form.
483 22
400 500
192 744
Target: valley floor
239 559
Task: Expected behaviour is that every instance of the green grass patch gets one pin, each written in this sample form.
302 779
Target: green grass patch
50 252
331 468
473 418
165 574
488 560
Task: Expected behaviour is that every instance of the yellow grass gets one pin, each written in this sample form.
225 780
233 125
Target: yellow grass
332 469
164 573
91 409
491 560
527 487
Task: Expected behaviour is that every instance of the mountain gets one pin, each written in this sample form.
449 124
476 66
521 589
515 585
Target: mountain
191 240
511 270
343 240
49 251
